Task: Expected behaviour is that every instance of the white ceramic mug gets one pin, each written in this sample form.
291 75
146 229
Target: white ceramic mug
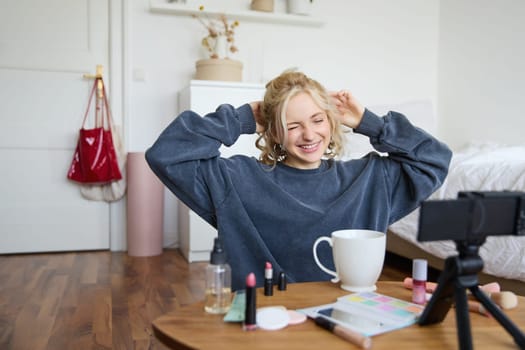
358 258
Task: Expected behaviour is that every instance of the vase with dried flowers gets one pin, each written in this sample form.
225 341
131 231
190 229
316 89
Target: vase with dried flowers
219 44
299 7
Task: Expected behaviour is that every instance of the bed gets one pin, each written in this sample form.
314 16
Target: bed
477 166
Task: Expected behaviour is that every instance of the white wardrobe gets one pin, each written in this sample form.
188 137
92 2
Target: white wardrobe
201 96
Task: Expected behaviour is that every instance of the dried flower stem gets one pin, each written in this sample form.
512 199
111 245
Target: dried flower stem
217 28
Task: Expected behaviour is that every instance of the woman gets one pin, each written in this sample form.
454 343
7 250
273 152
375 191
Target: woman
274 208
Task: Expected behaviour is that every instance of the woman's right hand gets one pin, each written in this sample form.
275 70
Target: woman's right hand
256 110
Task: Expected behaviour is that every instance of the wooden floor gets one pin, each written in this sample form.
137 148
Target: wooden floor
101 300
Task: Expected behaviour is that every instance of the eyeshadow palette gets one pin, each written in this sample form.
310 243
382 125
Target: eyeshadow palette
369 313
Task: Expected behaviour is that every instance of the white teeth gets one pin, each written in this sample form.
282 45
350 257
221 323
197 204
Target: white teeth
309 146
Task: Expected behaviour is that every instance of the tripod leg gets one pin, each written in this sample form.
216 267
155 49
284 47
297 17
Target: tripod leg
443 297
462 318
495 311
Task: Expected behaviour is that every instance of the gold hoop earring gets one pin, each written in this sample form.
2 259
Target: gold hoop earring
330 149
278 152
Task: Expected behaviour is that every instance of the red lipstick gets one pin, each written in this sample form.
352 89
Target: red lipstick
250 318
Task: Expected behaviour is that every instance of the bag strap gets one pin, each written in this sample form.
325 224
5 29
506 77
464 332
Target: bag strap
107 109
89 103
102 110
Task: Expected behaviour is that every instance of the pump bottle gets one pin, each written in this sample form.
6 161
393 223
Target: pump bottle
218 281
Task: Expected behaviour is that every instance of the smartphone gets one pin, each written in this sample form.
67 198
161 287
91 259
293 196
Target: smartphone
353 320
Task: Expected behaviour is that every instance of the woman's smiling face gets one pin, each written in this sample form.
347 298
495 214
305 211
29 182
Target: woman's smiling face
308 132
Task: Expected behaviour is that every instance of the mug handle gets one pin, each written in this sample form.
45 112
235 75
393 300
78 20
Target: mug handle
321 266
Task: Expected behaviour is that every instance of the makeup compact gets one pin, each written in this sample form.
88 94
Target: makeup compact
272 318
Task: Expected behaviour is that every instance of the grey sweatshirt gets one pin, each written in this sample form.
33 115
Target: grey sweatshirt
275 215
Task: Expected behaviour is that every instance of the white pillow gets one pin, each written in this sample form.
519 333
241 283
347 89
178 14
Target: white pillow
485 167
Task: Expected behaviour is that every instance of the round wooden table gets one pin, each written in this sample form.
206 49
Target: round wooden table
192 328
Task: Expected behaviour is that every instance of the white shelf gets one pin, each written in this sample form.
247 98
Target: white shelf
225 84
162 6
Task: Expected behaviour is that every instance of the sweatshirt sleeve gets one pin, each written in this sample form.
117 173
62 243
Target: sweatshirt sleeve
186 155
416 165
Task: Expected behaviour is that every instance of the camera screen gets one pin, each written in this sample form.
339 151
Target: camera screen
472 217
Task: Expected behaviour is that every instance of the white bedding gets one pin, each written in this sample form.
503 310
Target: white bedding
487 167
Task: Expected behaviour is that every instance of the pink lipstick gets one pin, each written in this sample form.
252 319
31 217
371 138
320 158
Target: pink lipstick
268 279
250 318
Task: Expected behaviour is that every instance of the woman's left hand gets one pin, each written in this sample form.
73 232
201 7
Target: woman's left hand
350 110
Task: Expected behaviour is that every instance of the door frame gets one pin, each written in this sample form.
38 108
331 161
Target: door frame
119 22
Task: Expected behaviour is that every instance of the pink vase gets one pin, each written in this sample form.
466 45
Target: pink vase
145 207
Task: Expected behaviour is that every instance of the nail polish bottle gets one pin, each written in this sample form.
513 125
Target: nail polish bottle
218 281
419 278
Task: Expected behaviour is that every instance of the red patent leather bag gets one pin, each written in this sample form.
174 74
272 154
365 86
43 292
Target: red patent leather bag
95 160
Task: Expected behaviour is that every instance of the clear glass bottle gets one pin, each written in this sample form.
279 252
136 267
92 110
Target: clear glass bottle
218 281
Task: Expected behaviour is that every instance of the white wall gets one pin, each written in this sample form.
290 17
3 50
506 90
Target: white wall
379 49
482 71
384 51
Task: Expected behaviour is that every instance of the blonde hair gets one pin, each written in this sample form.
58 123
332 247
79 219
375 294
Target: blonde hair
279 91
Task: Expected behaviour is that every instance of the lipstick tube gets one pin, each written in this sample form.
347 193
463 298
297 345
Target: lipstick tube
282 281
250 316
268 279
